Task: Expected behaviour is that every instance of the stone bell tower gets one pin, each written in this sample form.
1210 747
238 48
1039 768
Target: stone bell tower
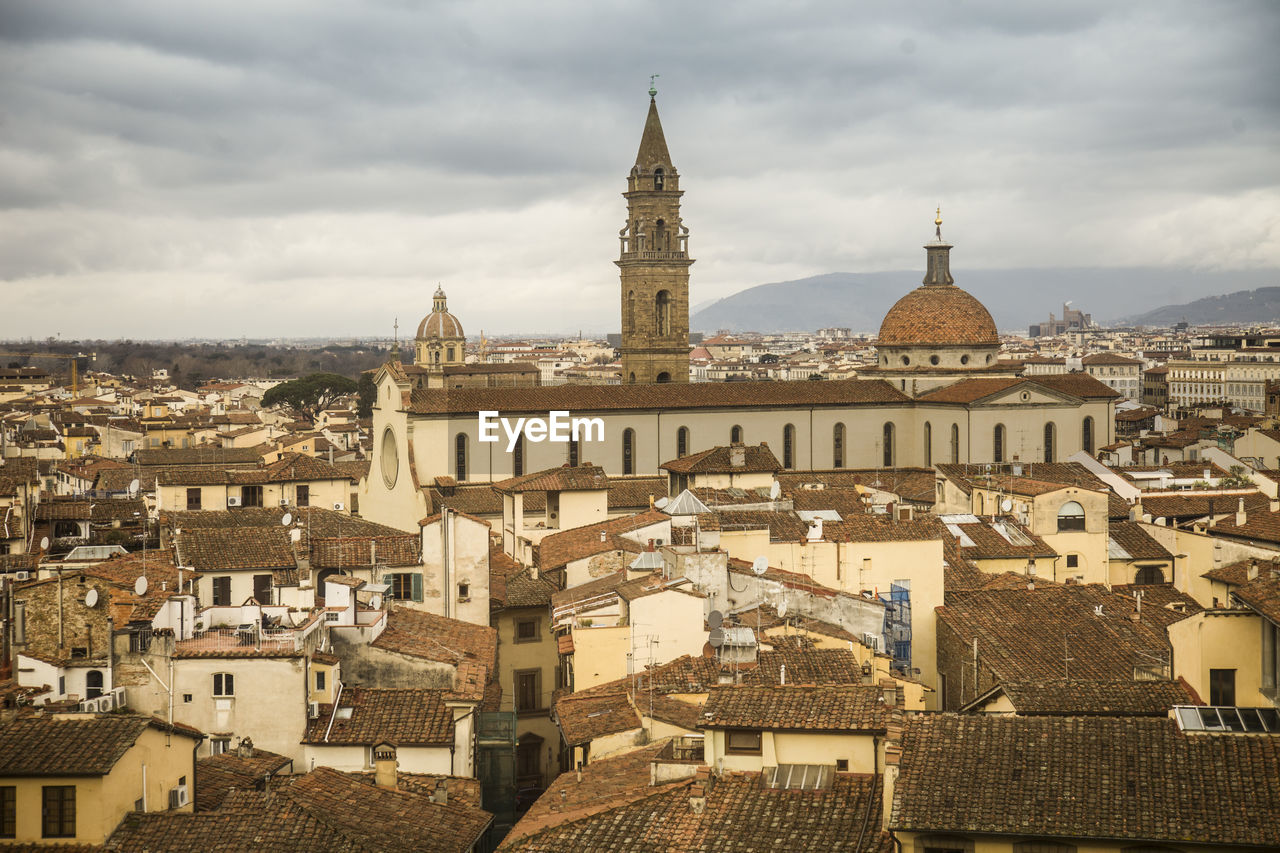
655 266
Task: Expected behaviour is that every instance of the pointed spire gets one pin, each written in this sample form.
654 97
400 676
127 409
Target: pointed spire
653 145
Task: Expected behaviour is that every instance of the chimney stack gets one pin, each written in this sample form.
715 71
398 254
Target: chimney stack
384 766
737 456
1253 570
245 748
441 795
1241 516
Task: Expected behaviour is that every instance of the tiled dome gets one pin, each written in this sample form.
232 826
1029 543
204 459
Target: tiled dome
938 315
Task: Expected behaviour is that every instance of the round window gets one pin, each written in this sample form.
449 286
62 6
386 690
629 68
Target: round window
906 360
389 458
933 359
964 359
1026 395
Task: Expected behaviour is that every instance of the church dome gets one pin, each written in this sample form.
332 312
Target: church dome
439 323
938 315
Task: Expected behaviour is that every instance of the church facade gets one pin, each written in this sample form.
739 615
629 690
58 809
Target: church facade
937 394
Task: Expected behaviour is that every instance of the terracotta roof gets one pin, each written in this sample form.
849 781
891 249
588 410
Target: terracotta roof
217 456
1262 594
83 745
512 585
217 775
1237 573
559 549
850 707
1079 697
1036 477
1261 524
940 315
354 552
1001 539
1099 358
210 549
57 510
323 811
402 716
913 484
972 390
438 638
582 399
588 715
1197 506
756 458
1136 542
1140 779
584 477
740 813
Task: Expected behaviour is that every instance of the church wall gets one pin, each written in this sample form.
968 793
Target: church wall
402 504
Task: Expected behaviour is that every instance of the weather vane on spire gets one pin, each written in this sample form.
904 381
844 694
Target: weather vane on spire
652 89
938 222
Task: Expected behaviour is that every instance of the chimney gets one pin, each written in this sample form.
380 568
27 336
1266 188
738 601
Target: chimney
815 530
1241 515
245 748
737 456
384 767
1253 570
441 795
603 536
1135 513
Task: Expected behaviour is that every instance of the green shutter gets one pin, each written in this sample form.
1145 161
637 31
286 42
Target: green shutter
417 586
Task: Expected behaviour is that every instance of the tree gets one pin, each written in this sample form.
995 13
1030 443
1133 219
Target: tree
310 394
368 394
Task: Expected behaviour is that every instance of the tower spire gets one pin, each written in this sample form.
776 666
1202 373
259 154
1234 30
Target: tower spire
653 144
937 272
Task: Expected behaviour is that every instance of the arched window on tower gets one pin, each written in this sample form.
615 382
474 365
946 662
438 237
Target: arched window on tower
662 311
789 446
661 240
573 453
735 434
888 445
682 442
955 444
628 451
928 444
631 312
837 446
1086 435
997 444
1049 435
517 457
659 178
460 457
1071 516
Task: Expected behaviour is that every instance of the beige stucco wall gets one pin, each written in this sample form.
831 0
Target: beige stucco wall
468 563
600 655
795 747
355 759
1220 639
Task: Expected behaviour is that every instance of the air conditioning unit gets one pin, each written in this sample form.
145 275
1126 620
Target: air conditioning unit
118 695
106 702
233 500
284 502
339 506
313 710
178 797
872 641
24 576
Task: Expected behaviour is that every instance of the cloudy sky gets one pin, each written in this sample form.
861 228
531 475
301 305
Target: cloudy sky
294 168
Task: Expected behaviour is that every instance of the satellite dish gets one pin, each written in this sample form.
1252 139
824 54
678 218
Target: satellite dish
295 535
44 543
774 491
287 519
91 598
716 638
661 502
1006 505
715 619
760 565
134 485
782 608
140 585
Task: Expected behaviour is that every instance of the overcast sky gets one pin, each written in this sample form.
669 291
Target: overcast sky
294 168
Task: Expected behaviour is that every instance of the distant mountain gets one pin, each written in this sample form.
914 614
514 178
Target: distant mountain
1248 307
1016 298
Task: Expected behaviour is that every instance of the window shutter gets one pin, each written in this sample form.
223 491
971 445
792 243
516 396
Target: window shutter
417 586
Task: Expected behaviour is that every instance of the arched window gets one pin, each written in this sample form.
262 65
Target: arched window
435 356
573 452
1071 516
660 240
662 311
955 444
788 446
658 178
997 444
978 506
888 445
1050 432
517 457
663 377
460 457
632 379
928 444
628 451
682 442
735 434
448 354
1149 574
837 446
631 312
93 684
1086 435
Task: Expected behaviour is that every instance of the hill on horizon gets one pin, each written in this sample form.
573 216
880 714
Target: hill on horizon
1244 306
1016 298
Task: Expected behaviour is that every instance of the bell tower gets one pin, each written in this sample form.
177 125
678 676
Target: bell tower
655 265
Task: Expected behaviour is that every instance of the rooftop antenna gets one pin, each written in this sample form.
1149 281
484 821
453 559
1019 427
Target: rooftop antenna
653 89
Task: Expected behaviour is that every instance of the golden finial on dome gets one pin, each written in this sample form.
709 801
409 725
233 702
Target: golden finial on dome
938 223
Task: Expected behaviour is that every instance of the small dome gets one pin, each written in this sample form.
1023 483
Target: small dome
938 315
